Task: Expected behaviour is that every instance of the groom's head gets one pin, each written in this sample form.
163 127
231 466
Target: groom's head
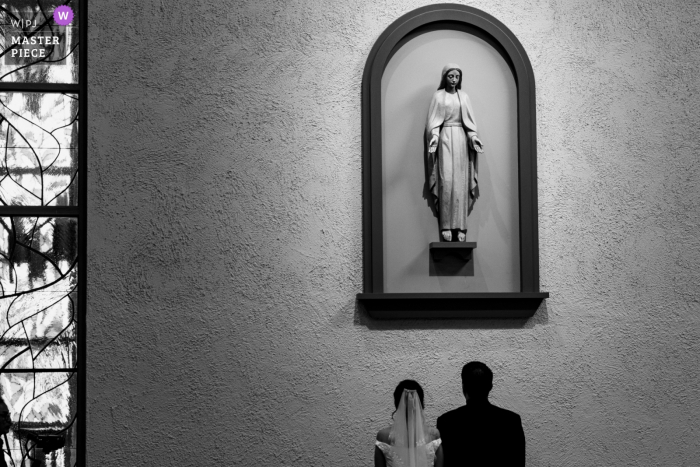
477 380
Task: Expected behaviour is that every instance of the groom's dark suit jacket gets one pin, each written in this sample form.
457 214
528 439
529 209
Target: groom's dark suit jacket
482 434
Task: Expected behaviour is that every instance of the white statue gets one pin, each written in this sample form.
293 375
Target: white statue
453 147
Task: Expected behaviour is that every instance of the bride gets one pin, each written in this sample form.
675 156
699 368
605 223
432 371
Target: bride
409 442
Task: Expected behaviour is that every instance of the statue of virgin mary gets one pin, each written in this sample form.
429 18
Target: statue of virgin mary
453 147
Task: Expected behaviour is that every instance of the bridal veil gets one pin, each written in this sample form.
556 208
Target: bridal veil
408 435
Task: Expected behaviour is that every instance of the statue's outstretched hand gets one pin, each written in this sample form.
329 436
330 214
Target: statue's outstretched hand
432 146
478 145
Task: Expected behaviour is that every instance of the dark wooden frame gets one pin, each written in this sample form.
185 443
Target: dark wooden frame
448 305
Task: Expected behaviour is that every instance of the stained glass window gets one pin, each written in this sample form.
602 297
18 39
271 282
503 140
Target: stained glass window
39 144
42 231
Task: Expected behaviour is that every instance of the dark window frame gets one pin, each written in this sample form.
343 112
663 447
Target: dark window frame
79 212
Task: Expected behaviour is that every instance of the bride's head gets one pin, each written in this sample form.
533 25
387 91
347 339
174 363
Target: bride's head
409 430
410 385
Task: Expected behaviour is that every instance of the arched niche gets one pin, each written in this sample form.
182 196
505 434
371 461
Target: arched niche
520 296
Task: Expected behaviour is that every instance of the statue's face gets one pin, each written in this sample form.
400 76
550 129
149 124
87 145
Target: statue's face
453 78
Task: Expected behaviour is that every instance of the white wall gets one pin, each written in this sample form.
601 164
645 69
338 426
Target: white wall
226 233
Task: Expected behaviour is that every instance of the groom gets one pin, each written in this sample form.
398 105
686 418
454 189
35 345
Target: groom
479 433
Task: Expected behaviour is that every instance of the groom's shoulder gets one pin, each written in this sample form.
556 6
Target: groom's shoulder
452 414
505 413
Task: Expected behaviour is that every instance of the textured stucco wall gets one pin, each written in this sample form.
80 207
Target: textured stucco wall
225 238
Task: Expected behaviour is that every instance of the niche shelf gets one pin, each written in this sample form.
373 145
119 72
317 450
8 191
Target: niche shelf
497 305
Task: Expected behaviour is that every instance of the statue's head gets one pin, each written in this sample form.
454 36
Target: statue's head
454 70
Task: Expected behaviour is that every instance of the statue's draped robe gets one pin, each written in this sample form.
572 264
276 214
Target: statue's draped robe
453 167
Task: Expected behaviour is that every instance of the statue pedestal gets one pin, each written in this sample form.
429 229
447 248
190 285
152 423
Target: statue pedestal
463 250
